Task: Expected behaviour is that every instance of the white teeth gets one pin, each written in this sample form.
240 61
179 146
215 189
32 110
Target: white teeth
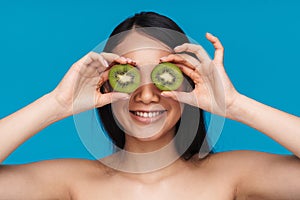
148 114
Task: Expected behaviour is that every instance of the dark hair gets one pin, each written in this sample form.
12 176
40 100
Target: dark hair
172 35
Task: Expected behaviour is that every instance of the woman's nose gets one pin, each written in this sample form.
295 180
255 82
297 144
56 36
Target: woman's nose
147 94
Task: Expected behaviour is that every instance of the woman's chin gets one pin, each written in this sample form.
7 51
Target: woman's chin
150 138
145 135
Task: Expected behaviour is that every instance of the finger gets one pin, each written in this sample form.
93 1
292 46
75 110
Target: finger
103 78
185 66
130 61
177 59
107 98
120 60
113 58
183 97
104 65
195 49
104 62
92 57
219 49
193 74
109 57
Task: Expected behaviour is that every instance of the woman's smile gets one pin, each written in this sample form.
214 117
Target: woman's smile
147 117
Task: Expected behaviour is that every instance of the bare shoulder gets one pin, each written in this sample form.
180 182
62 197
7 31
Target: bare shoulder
245 159
58 169
66 167
52 178
236 165
259 174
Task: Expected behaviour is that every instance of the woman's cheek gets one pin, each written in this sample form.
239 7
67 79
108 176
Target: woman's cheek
120 111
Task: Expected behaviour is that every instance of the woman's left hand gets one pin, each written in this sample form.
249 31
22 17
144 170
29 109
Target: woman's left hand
213 91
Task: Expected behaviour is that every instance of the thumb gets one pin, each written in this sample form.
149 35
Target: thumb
184 97
107 98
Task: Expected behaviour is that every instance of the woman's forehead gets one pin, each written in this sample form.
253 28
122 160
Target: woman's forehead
134 42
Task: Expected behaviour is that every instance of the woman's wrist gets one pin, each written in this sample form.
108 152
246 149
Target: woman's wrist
236 110
58 111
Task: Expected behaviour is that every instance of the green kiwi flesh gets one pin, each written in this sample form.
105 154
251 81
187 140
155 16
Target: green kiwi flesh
167 76
124 78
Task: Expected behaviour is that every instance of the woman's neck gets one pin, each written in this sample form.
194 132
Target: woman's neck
143 156
147 145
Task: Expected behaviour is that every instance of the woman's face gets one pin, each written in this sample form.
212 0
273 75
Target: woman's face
146 115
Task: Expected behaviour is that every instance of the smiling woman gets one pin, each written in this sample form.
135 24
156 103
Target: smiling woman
158 134
146 46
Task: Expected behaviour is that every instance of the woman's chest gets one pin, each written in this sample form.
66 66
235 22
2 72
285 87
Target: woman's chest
185 188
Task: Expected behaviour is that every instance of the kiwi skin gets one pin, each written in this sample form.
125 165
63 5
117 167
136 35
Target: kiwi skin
167 76
124 72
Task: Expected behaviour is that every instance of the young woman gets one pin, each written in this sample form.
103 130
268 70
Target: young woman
146 121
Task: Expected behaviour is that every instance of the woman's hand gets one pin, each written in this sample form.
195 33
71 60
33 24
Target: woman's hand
79 89
213 91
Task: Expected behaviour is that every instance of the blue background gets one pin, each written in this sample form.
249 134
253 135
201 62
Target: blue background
39 41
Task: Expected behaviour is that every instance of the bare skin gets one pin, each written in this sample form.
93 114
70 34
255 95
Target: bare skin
229 175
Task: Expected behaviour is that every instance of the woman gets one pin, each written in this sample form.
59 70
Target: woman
228 175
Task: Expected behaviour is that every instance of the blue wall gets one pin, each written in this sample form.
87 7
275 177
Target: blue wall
39 40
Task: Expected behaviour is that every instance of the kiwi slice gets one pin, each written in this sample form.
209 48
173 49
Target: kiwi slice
167 76
124 78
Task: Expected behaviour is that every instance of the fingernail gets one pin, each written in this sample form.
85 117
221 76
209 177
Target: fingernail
164 94
106 63
176 48
123 59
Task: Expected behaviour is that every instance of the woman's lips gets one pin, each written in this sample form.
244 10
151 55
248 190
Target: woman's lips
147 117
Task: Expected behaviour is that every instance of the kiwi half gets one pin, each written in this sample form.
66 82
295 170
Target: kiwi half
124 78
167 76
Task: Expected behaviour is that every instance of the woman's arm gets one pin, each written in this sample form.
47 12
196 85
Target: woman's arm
23 124
78 91
260 175
215 93
280 126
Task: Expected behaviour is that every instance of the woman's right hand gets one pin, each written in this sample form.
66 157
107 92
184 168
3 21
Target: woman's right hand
214 91
79 90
